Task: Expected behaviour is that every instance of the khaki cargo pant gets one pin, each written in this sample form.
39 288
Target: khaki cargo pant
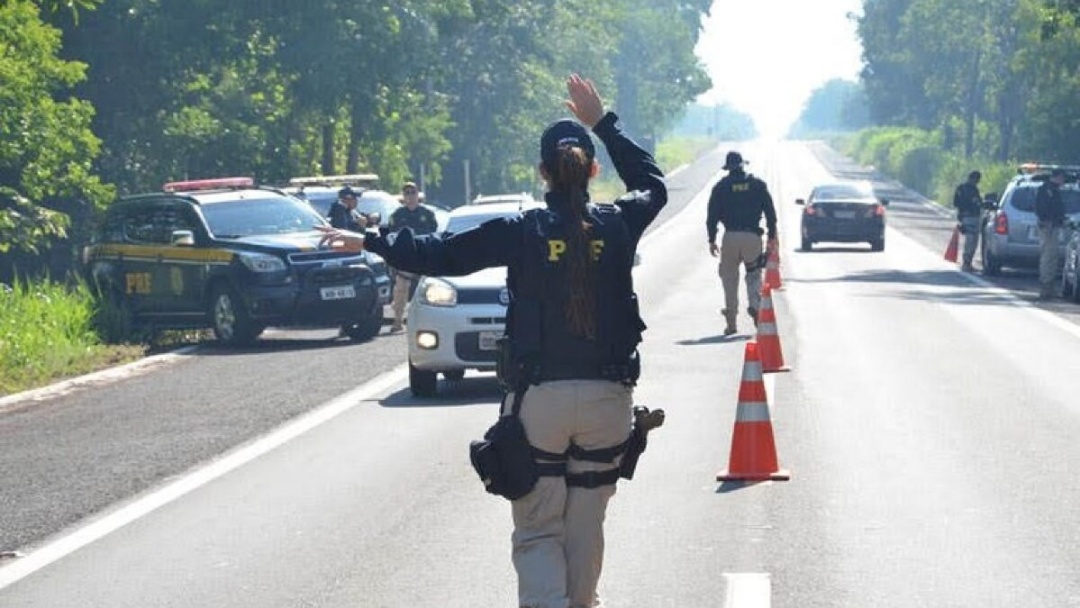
740 248
1049 258
971 225
558 538
402 286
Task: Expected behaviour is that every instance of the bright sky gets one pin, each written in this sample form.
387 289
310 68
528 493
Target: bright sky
765 57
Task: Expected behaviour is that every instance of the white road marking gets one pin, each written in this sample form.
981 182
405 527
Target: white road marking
748 590
96 530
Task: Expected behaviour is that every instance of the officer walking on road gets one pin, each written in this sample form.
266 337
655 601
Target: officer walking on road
738 201
573 329
1050 212
422 221
969 206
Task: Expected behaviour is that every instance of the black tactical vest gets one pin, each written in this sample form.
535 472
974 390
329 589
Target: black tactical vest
539 288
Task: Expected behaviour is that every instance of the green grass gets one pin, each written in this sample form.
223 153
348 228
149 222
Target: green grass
48 332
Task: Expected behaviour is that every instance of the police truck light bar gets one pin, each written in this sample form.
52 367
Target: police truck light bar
222 183
1029 168
327 180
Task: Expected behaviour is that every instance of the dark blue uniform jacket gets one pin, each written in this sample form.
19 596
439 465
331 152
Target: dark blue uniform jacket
530 247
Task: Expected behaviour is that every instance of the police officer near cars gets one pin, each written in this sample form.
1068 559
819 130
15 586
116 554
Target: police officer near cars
969 207
1050 211
343 213
422 221
573 327
738 201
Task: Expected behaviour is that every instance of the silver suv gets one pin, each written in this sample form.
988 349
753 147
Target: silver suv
1011 232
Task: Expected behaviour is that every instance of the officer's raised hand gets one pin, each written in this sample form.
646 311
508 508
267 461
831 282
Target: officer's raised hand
340 240
584 102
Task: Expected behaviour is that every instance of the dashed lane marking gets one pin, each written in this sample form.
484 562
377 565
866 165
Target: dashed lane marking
748 590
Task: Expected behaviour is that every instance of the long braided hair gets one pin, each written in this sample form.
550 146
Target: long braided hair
570 178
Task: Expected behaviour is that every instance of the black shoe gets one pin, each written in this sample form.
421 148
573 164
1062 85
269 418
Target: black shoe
730 329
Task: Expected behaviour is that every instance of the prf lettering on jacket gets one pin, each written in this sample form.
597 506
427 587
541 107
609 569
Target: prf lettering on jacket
743 187
557 247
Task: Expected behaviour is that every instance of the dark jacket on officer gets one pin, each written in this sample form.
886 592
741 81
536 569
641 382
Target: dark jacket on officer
967 200
738 201
531 247
422 220
343 218
1048 204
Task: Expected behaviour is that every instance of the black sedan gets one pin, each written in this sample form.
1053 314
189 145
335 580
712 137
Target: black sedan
843 212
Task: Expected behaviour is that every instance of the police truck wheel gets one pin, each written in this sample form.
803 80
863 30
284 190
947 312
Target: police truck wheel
422 383
807 244
454 375
365 329
877 244
991 265
114 316
230 319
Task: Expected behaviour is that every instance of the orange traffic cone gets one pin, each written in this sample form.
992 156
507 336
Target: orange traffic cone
954 245
772 270
768 339
753 450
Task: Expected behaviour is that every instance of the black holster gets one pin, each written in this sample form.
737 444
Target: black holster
644 421
503 458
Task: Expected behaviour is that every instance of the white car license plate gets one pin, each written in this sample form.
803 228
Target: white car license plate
341 292
488 339
844 215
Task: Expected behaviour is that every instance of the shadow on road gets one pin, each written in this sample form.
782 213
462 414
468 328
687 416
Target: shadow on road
717 339
274 344
450 393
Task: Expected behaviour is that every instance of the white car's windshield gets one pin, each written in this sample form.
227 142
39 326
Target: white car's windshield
461 223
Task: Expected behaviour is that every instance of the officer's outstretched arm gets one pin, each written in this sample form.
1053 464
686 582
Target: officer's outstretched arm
647 193
493 243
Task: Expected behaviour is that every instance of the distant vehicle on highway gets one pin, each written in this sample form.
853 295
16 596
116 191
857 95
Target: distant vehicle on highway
844 212
1010 231
231 256
453 322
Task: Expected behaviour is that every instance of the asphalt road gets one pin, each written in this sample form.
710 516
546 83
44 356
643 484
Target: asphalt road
927 423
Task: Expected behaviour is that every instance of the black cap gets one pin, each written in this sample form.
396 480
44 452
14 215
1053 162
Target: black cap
346 191
734 160
561 133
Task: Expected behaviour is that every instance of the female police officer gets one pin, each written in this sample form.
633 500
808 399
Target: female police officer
573 328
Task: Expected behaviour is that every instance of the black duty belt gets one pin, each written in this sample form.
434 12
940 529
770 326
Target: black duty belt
612 372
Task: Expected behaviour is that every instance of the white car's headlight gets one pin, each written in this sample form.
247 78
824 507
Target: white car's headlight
437 292
262 262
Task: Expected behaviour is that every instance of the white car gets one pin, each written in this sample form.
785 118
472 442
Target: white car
453 322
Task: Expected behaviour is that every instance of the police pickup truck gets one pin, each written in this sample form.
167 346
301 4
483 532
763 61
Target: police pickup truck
225 254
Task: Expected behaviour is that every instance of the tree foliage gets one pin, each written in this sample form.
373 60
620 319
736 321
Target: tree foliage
836 106
275 88
46 146
998 78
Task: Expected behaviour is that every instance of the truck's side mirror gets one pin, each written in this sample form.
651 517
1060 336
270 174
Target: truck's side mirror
800 201
183 237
